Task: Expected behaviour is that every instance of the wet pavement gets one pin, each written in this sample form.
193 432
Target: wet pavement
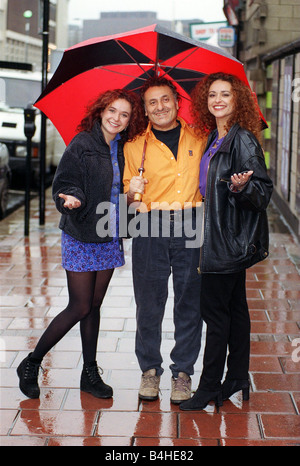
33 291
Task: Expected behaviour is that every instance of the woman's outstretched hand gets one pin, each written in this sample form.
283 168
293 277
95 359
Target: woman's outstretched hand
239 180
71 202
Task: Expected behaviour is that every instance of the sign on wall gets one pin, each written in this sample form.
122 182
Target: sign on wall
226 36
204 31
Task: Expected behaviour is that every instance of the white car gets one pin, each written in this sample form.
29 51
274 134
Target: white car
5 178
18 90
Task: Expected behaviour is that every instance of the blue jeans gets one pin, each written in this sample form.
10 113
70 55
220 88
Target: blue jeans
153 260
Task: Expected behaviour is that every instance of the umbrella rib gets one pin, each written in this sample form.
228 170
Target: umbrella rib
123 74
186 79
157 57
184 97
122 47
175 66
180 80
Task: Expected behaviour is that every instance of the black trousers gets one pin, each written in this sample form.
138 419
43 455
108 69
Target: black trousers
225 312
154 258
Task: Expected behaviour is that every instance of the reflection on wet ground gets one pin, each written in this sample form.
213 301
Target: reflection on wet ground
33 291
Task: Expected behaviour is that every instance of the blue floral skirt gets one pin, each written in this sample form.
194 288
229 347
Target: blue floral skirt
90 257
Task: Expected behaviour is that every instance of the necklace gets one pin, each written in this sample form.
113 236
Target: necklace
215 146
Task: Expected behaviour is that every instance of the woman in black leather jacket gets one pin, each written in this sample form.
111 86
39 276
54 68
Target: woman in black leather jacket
236 191
88 180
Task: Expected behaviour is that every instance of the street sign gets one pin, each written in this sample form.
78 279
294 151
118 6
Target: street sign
204 31
226 37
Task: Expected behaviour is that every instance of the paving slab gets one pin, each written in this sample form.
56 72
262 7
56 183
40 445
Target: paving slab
33 290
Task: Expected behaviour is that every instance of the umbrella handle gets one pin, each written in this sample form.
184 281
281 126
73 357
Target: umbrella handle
138 196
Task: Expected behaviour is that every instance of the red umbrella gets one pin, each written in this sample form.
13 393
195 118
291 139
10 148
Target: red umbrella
125 61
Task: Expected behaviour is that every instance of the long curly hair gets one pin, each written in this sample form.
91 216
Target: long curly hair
137 122
245 112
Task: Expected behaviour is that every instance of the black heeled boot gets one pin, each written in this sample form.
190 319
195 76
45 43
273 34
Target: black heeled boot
201 399
91 382
231 386
28 372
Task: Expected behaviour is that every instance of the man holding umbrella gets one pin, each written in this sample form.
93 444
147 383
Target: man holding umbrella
170 172
170 190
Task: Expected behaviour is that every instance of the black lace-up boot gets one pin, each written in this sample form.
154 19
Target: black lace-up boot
91 381
28 372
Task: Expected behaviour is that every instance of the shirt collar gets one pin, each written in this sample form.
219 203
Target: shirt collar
228 138
149 132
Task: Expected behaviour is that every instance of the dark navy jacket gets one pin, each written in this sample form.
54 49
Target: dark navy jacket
85 171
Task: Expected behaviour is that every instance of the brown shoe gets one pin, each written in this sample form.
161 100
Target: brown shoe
181 388
149 387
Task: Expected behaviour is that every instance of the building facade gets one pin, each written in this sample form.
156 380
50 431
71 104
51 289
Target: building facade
116 22
21 28
269 46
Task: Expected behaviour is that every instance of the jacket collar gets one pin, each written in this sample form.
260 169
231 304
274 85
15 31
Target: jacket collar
97 133
225 146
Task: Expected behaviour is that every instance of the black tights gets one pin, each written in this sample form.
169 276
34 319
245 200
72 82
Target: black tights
86 293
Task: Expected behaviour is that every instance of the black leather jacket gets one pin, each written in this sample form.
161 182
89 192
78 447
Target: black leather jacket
235 224
86 172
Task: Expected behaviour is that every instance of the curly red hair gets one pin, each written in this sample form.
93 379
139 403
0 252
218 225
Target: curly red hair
245 113
137 123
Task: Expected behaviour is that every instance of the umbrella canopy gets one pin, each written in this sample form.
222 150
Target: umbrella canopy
127 60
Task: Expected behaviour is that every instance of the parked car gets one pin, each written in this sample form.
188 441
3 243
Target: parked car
5 179
18 89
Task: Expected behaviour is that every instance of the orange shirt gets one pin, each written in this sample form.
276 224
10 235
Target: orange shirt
172 183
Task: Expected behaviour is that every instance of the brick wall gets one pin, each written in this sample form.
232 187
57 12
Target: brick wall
270 38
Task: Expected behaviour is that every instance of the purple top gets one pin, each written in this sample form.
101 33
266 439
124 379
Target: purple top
209 153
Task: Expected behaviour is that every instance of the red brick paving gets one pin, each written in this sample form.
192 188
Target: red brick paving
33 291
